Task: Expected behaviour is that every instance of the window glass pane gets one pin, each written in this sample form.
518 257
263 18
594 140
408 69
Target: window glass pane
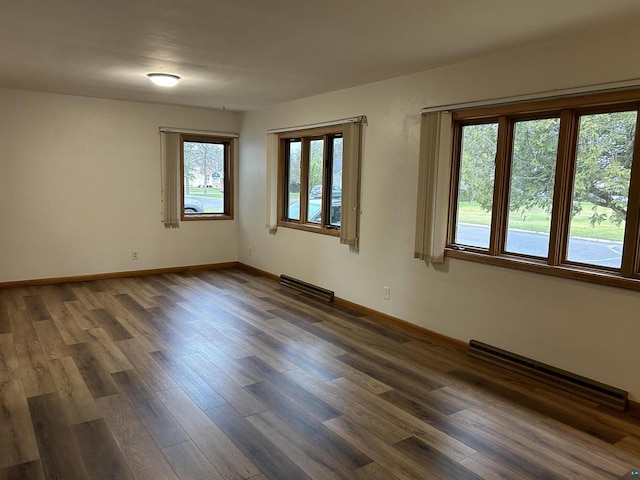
533 170
316 155
204 164
336 182
293 182
601 188
475 186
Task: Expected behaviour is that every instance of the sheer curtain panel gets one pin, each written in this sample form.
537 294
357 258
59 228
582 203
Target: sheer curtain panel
170 153
351 156
434 169
272 183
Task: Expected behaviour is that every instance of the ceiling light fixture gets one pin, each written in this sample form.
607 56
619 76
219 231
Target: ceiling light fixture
164 79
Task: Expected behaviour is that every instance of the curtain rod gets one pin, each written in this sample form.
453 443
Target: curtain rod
361 118
198 132
599 87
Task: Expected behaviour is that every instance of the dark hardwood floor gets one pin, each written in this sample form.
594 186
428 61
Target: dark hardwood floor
227 375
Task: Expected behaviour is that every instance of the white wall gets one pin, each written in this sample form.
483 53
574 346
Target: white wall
585 328
80 188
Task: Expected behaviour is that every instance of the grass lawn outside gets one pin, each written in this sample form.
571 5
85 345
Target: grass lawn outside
537 220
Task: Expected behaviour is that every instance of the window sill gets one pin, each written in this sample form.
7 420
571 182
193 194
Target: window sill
206 216
583 273
310 228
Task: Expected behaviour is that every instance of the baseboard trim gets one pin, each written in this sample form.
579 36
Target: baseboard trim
105 276
257 271
633 408
370 311
401 323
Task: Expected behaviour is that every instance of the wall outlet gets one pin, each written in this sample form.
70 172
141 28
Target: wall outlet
250 251
134 255
387 293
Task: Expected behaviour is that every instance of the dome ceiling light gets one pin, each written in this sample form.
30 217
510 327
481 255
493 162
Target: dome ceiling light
164 79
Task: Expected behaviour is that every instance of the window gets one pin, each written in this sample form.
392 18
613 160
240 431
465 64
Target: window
207 177
477 171
311 180
550 186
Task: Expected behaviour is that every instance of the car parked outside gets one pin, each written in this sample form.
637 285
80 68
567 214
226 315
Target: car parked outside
316 192
193 206
315 211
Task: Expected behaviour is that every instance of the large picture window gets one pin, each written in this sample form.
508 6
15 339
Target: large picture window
310 196
550 186
207 177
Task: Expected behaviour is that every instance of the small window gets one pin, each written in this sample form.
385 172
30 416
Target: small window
533 170
601 188
311 180
207 187
475 186
335 201
293 169
315 174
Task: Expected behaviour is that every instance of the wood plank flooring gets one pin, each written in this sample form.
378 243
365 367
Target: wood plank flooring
227 375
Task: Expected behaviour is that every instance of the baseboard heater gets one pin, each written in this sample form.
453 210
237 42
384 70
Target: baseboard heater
570 382
308 288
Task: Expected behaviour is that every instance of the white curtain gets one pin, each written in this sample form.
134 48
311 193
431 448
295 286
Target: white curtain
351 158
434 170
170 154
272 183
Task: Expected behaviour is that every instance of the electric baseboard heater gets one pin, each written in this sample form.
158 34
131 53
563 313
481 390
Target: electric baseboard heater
308 288
570 382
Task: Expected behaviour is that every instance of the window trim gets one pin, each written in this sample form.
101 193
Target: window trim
569 111
228 194
306 136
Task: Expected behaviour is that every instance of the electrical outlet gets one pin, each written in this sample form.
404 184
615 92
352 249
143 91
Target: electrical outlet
134 255
250 251
387 293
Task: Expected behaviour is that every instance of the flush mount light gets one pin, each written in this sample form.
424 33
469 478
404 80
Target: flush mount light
164 79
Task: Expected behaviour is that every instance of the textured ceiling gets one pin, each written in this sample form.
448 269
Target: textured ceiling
245 54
